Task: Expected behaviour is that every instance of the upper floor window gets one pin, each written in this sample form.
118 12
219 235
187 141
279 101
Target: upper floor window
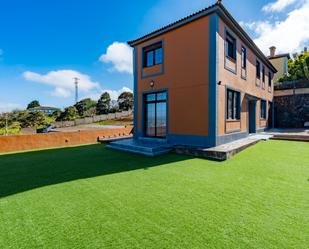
243 57
153 55
263 73
269 79
233 105
258 69
230 46
263 109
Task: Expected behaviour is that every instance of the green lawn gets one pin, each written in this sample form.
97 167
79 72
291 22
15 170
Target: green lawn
92 197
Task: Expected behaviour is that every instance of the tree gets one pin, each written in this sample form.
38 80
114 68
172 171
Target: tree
126 101
33 104
69 113
103 105
84 105
90 112
30 119
298 68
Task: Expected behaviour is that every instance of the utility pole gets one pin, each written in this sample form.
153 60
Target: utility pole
6 125
76 88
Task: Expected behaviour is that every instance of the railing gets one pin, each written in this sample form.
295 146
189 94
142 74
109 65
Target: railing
292 84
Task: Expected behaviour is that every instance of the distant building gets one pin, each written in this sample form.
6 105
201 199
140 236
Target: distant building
45 109
280 62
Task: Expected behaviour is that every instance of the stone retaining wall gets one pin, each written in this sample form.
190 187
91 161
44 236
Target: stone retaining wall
291 104
90 120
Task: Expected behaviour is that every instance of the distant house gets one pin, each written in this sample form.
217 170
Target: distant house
280 62
201 81
45 109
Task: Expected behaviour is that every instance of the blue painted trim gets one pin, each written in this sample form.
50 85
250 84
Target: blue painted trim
258 78
142 60
240 108
213 80
271 81
263 119
258 53
218 10
254 116
226 30
231 137
135 130
241 68
190 140
273 114
176 25
142 133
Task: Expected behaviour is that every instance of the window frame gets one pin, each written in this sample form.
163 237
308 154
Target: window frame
153 48
233 42
243 58
263 73
258 69
263 108
269 79
235 105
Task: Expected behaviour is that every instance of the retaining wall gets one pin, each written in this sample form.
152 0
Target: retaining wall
57 139
292 104
90 120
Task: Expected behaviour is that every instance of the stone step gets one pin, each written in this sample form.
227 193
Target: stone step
140 147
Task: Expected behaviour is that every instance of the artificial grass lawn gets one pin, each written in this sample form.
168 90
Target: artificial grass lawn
92 197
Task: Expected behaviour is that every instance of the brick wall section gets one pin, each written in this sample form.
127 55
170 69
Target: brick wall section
58 139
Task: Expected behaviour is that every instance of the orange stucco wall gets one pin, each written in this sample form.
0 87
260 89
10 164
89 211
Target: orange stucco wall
185 76
234 81
57 139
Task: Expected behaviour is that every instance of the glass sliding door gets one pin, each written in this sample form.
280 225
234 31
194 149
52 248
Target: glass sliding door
156 114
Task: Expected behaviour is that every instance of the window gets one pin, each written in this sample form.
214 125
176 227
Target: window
258 69
269 79
153 55
243 57
263 109
156 114
233 105
263 73
230 46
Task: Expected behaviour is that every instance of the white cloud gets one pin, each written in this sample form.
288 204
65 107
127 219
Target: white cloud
279 5
288 35
62 81
7 107
121 56
114 94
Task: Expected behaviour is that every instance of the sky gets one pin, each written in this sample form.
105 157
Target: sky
45 44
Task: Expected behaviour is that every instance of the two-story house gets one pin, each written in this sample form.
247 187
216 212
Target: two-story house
201 81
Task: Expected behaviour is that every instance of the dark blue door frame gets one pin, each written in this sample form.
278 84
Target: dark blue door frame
252 116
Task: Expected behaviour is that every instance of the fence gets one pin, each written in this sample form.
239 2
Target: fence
93 119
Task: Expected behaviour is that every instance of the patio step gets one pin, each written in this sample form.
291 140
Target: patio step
225 151
149 148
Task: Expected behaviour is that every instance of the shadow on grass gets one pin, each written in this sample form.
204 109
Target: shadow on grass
25 171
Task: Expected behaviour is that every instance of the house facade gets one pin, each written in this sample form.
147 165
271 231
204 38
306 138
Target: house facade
280 62
201 81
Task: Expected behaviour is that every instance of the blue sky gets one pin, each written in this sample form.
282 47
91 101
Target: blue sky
44 44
